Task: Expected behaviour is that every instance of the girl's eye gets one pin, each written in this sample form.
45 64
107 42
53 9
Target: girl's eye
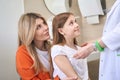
75 20
71 23
38 26
44 23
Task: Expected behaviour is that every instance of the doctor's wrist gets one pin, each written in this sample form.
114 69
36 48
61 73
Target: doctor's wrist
98 47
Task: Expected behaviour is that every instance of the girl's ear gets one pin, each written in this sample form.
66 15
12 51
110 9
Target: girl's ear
60 31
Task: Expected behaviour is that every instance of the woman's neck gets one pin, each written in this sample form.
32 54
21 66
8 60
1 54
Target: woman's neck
39 45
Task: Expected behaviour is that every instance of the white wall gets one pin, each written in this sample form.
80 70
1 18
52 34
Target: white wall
10 11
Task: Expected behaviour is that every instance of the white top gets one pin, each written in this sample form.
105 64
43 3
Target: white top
110 57
44 58
80 65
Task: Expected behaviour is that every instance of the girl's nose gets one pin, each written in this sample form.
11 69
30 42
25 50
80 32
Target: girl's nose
46 27
76 25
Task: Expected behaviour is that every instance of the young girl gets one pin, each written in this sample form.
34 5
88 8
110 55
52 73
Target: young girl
65 30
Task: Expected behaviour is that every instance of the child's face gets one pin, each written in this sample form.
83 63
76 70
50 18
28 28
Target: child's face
71 29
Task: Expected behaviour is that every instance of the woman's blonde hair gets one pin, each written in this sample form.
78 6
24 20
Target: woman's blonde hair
58 22
26 33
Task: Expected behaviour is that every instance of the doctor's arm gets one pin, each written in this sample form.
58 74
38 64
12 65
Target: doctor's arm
111 41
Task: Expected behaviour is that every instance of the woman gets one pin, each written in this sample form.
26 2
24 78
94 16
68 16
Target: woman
32 57
65 30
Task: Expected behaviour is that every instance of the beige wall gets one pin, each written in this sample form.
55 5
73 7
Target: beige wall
37 6
11 10
88 32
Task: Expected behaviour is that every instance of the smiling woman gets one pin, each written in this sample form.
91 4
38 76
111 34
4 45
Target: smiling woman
58 6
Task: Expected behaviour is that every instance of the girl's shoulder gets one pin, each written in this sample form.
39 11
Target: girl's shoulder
78 47
57 46
57 50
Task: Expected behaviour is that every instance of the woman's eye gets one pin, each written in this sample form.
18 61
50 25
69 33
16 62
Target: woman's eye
39 26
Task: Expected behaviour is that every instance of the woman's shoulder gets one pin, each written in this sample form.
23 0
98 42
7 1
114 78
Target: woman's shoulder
21 48
22 51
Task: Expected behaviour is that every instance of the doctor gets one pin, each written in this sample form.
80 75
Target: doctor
108 45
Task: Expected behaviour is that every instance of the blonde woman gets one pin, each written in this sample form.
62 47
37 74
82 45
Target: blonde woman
32 57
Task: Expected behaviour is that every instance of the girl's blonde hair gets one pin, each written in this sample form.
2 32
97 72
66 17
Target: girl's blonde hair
26 33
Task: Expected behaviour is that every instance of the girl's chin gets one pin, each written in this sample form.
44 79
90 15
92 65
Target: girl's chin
77 35
47 38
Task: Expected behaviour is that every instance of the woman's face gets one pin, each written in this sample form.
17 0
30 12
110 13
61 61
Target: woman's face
71 29
42 31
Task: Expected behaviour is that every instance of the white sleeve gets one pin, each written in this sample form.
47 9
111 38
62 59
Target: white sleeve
112 40
56 50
